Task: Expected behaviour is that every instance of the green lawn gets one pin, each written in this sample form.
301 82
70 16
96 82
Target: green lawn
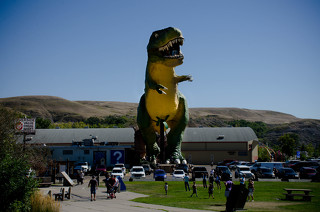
267 195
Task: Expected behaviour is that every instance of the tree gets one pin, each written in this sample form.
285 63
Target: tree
16 188
288 144
43 123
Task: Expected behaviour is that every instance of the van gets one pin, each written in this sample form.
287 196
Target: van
270 165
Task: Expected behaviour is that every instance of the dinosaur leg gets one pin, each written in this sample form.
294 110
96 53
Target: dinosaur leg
177 127
148 133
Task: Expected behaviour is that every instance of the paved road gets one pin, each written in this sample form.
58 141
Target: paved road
80 201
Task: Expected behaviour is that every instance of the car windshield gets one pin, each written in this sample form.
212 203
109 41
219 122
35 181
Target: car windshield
117 171
289 171
178 172
137 170
159 172
244 169
200 168
80 164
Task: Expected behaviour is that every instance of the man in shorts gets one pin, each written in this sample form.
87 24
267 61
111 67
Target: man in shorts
94 184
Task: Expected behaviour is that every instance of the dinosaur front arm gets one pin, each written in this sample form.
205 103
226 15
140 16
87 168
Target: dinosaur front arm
184 78
158 87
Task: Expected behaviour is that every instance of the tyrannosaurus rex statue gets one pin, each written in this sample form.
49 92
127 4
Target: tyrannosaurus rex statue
162 101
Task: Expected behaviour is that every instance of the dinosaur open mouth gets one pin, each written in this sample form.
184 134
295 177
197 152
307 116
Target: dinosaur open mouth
172 49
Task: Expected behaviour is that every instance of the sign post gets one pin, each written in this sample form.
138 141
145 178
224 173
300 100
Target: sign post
26 127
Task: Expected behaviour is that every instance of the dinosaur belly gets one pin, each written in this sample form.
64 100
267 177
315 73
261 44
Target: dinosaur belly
161 105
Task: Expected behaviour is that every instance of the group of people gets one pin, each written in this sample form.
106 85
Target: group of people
112 185
215 177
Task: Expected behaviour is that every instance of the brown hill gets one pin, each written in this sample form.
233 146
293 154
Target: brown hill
59 109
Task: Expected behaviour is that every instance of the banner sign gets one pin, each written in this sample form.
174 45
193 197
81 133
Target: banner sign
117 156
27 126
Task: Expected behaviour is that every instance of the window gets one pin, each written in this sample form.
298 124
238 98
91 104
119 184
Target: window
242 153
67 152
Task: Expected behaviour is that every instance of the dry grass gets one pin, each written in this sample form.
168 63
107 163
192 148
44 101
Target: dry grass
41 203
56 108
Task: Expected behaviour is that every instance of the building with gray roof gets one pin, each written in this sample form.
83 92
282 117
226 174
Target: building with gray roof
104 145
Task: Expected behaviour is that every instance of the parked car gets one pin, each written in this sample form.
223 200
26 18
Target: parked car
197 172
116 171
83 166
184 167
264 172
147 169
101 169
307 173
225 172
287 173
244 170
159 175
225 162
121 165
270 165
297 166
137 172
233 165
178 174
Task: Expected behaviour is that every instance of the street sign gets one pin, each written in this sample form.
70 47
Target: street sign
26 126
117 156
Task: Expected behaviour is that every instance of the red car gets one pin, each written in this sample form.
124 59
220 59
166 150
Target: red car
307 173
101 169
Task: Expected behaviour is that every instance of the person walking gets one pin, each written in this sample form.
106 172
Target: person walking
204 180
251 190
94 186
166 188
186 182
194 189
228 185
210 190
242 180
211 179
217 180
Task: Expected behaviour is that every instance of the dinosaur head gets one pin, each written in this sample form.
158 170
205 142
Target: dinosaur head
164 47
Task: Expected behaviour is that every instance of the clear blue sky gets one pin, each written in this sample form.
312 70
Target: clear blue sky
251 54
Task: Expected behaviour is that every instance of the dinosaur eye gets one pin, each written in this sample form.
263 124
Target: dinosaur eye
156 35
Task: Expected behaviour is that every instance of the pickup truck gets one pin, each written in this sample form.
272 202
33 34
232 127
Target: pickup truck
83 166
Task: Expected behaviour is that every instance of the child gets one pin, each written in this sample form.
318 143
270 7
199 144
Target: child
210 190
194 189
217 180
251 189
166 188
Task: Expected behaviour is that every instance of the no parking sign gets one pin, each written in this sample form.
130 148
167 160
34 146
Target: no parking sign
117 156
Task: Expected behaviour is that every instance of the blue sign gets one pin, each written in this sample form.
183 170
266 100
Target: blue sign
298 154
117 156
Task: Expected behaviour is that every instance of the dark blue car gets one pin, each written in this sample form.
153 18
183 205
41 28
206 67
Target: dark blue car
159 175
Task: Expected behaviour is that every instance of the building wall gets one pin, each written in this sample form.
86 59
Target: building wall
205 153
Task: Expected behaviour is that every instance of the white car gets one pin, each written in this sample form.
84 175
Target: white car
244 170
178 174
121 165
137 172
116 171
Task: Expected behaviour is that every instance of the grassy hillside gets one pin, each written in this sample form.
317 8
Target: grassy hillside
59 109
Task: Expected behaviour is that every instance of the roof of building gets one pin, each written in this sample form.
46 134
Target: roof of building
126 135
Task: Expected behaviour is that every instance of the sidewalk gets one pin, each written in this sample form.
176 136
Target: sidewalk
80 201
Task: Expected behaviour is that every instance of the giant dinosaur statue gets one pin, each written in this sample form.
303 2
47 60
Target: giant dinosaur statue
162 101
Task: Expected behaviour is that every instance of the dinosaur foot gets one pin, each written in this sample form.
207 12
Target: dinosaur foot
176 159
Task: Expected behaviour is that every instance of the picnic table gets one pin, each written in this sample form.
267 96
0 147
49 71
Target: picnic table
291 193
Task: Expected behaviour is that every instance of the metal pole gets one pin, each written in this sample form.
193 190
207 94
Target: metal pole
162 150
